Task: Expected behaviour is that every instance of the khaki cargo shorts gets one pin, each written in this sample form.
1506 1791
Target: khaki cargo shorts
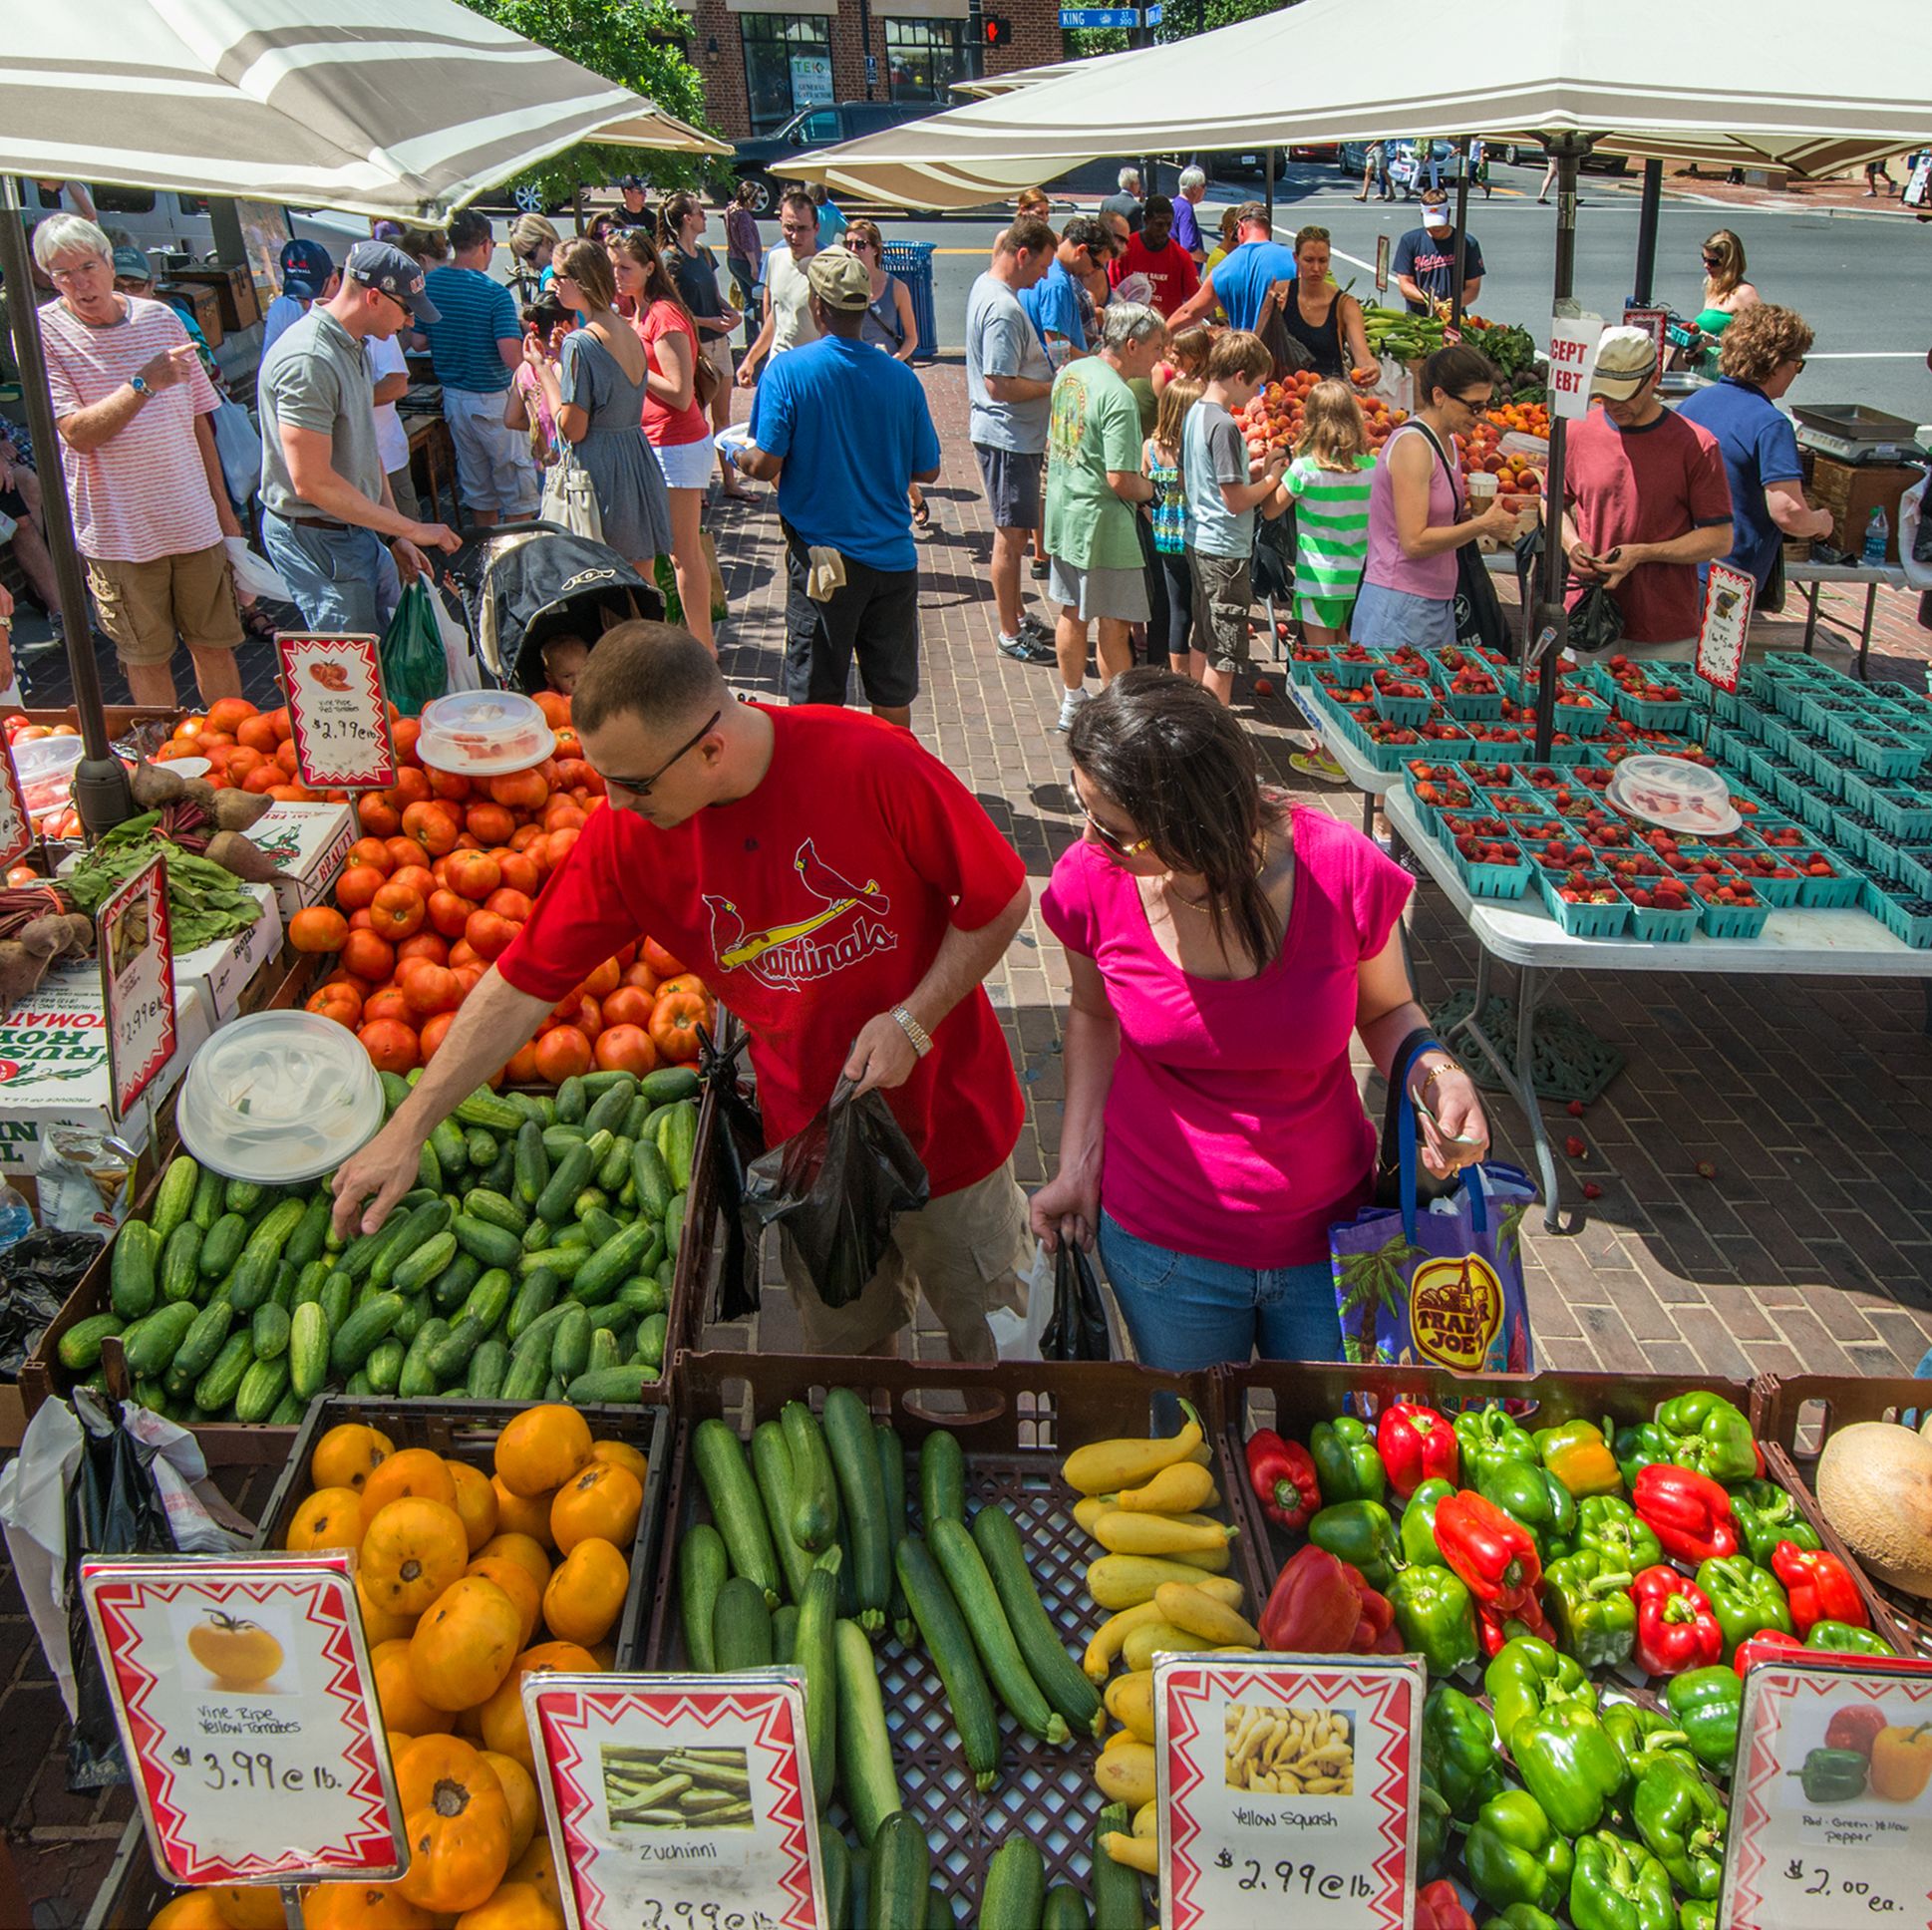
144 606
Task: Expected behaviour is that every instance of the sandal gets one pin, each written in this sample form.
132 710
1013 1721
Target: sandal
922 517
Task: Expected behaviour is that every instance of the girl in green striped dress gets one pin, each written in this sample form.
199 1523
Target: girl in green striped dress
1329 480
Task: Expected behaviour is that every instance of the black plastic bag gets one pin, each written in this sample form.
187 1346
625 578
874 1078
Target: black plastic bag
736 1141
1078 1329
1596 621
836 1186
37 1273
114 1507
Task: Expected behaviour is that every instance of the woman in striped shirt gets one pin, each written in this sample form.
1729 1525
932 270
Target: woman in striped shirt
1329 480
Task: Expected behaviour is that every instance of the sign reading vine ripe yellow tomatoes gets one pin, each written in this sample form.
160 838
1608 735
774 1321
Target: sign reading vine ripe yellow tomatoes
249 1712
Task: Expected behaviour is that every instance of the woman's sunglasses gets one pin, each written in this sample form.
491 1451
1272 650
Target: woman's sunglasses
1113 839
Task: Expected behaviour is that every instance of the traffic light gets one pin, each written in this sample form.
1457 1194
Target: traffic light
996 27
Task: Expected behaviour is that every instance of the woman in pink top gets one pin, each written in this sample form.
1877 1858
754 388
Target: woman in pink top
1407 592
1225 946
675 423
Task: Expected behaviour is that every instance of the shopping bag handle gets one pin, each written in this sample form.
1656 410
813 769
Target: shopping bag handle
1412 1047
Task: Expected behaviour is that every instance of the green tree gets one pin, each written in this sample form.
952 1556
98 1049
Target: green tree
637 43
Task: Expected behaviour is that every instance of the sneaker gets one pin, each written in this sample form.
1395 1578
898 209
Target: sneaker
1041 570
1070 707
1320 766
1031 626
1026 650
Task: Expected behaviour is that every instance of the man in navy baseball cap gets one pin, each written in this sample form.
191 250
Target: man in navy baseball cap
383 265
308 276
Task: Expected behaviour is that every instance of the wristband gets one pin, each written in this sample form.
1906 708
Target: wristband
913 1030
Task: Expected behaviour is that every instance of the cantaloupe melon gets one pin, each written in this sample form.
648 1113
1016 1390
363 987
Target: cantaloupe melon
1874 1484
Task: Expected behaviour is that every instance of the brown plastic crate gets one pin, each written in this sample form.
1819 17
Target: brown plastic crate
1016 1421
1800 1414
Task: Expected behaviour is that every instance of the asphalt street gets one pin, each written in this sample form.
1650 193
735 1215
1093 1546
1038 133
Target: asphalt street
1860 281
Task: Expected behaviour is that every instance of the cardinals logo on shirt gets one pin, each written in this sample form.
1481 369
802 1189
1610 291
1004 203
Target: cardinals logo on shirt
845 928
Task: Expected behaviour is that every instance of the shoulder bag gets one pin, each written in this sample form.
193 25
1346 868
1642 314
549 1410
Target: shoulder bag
1479 622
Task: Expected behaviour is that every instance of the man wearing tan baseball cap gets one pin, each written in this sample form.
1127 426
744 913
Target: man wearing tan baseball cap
1645 500
843 429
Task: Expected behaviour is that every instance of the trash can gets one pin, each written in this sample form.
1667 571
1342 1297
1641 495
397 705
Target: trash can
911 262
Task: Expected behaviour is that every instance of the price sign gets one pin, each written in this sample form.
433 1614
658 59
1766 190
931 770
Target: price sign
670 1797
1652 321
137 982
1382 264
15 827
337 712
1728 597
1288 1784
247 1706
1830 1815
1574 343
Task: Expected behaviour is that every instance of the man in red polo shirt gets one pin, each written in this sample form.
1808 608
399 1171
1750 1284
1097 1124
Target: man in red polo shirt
1169 267
842 893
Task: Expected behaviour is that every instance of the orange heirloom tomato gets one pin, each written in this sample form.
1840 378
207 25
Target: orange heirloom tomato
675 1020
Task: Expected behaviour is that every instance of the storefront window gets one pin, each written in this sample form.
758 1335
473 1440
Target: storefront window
787 65
924 57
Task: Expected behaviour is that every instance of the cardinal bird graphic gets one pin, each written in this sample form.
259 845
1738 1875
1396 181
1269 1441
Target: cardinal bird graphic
844 929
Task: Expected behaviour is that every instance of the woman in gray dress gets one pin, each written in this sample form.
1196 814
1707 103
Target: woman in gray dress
596 398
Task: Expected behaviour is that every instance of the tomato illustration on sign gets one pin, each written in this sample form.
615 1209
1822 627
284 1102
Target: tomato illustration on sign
329 676
240 1655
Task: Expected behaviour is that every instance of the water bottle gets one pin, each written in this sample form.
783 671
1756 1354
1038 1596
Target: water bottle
1878 531
16 1218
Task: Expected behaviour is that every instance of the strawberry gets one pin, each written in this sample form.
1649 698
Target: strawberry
1575 1148
1591 1191
1575 1109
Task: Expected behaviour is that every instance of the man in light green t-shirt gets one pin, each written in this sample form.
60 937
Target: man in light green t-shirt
1094 481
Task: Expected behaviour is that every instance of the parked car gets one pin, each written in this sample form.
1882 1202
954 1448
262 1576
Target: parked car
762 159
155 219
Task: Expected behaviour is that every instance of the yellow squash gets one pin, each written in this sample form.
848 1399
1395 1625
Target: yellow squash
1125 1581
1129 1701
1126 1774
1122 1531
1107 1466
1200 1613
1178 1489
1137 1852
1152 1638
1147 1821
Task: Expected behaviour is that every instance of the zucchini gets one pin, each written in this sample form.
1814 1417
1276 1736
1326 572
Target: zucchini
270 1332
487 1367
535 1297
837 1858
719 1458
308 1350
131 1284
613 1385
701 1568
902 1868
965 1570
180 1271
356 1337
785 1635
201 1343
940 1909
1066 1909
652 1178
572 1174
216 1389
382 1370
263 1387
951 1649
222 1247
892 1474
570 1348
80 1348
861 1492
452 1286
152 1349
942 1479
772 1469
311 1232
495 1246
174 1197
1060 1678
740 1627
533 1163
207 1209
1118 1901
417 1382
866 1776
818 1665
1015 1896
813 1522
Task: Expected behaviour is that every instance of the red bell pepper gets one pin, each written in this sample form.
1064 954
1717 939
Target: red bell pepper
1322 1606
1855 1728
1282 1474
1677 1627
1438 1907
1496 1628
1686 1512
1820 1587
1494 1556
1766 1643
1416 1445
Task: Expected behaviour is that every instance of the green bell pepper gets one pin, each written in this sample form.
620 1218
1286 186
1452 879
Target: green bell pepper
1521 1916
1844 1638
1766 1516
1419 1547
1644 1735
1619 1885
1526 1676
1432 1825
1460 1745
1486 1436
1693 1913
1835 1775
1579 1457
1701 1430
1346 1462
1514 1854
1537 1498
1437 1617
1682 1820
1744 1598
1707 1704
1588 1604
1610 1525
1362 1533
1570 1764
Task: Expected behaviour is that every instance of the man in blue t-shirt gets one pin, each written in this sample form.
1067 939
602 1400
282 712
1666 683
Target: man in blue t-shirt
1425 261
844 431
477 346
1759 358
1058 304
1241 280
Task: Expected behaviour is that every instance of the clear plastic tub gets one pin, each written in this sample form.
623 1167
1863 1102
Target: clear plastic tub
46 767
485 734
279 1097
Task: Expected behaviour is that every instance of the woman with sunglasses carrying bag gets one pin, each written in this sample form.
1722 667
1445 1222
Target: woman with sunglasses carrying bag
1226 947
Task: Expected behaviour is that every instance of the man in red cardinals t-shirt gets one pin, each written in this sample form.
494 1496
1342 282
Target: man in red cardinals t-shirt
1169 267
842 893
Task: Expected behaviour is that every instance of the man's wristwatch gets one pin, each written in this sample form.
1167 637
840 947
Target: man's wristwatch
913 1030
139 384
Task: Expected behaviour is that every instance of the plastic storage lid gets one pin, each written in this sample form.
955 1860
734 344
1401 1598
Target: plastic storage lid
43 757
485 734
1673 793
278 1097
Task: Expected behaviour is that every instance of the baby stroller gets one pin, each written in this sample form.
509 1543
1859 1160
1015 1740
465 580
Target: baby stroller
525 583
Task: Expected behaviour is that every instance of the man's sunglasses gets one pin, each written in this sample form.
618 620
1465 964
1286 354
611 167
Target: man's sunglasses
641 786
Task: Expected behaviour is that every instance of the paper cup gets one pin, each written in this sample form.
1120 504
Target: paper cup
1481 487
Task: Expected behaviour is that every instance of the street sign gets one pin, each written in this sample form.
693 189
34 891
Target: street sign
1100 16
1151 16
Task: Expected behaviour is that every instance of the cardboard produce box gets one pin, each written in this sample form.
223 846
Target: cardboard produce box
1851 491
235 292
309 842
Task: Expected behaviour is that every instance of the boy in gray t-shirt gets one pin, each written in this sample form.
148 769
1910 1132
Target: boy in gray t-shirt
1221 502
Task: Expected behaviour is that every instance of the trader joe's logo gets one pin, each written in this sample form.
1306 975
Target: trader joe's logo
1454 1310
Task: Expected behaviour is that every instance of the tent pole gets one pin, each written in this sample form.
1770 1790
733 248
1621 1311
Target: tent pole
1268 159
1549 614
1648 210
1461 230
101 793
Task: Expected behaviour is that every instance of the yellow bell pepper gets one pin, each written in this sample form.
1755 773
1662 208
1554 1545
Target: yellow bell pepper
1901 1763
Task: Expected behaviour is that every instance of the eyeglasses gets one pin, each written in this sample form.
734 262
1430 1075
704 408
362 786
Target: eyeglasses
641 786
1713 260
855 241
1113 839
1314 234
1475 404
92 266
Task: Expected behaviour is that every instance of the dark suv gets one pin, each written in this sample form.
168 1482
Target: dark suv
762 160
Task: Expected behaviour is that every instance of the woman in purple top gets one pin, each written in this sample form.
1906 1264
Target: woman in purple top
1226 948
1407 592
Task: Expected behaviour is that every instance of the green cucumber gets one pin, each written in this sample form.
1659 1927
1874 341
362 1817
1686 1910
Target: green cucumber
674 1222
311 1232
533 1163
251 1282
490 1111
557 1141
308 1288
614 1386
216 1388
481 1203
602 1225
395 1088
740 1627
275 1228
487 1367
131 1285
423 1224
207 1208
866 1776
616 1167
676 1140
721 1468
862 1493
813 1523
567 1262
653 1333
942 1479
489 1300
773 1471
418 1382
536 1237
450 1288
1061 1680
222 1247
537 1295
964 1568
414 1271
382 1370
669 1084
446 1141
308 1350
1118 1900
604 1351
409 1323
607 1115
263 1387
180 1271
652 1177
358 1335
572 1174
641 1296
495 1246
500 1176
951 1647
173 1198
448 1359
242 1196
80 1348
702 1566
287 1411
614 1261
1015 1896
525 1378
572 1101
201 1343
338 1296
901 1869
571 1349
429 1167
152 1349
270 1332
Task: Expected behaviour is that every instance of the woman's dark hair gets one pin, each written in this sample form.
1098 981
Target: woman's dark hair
543 314
658 284
673 211
1176 762
1457 367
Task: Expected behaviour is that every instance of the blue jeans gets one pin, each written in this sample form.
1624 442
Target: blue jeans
344 582
1186 1312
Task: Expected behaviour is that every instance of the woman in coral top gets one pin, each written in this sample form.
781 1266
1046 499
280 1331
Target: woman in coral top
1226 946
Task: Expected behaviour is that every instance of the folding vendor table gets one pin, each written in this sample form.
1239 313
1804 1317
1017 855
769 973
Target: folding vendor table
1810 579
1520 932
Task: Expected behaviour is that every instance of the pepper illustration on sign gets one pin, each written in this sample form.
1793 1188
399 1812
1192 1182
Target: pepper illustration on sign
240 1654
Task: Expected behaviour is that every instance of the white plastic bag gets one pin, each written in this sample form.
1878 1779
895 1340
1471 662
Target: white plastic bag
465 671
238 444
1015 1335
255 575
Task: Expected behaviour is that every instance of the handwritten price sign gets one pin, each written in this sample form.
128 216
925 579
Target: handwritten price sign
137 957
337 712
1728 598
671 1798
1288 1781
15 827
1832 1819
247 1706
